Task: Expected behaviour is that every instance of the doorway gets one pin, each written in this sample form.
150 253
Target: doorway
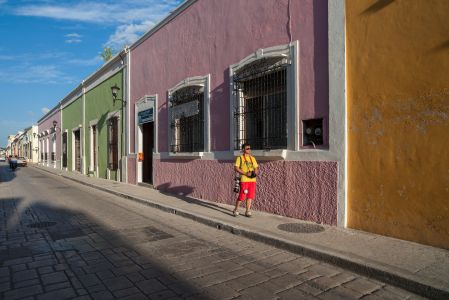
147 147
77 151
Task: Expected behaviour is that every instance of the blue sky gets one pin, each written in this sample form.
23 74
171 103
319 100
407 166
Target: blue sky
49 46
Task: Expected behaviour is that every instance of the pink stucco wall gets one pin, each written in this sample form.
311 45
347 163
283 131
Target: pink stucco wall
298 189
213 34
48 124
207 38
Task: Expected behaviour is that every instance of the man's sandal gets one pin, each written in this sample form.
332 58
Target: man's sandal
235 213
248 214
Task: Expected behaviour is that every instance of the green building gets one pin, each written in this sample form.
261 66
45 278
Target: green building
93 118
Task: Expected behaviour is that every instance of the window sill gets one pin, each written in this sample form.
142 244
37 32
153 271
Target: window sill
186 155
278 154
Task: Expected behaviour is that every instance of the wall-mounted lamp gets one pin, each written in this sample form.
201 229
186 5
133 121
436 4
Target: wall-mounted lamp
54 126
115 90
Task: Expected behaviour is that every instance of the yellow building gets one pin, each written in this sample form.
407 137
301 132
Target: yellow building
397 60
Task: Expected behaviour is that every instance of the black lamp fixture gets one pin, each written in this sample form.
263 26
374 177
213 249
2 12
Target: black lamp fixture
115 90
54 125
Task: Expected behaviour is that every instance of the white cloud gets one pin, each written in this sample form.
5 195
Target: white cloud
101 12
73 35
95 61
128 34
73 38
73 41
45 110
26 73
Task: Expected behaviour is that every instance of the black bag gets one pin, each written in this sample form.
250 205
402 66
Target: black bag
236 184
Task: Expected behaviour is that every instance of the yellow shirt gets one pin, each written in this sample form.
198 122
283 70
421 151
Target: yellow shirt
246 165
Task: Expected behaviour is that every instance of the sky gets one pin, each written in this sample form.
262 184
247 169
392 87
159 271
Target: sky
49 46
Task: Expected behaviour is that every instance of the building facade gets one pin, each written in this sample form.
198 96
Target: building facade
93 119
31 147
49 128
398 119
72 132
198 90
104 121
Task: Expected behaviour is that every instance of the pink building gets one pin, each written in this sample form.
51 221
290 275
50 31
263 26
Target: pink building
215 74
49 134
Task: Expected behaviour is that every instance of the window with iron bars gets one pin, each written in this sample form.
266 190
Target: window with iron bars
187 120
260 114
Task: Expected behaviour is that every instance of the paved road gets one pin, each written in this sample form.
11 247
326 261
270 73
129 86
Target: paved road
62 240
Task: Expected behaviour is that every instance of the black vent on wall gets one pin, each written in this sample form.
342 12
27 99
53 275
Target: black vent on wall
312 132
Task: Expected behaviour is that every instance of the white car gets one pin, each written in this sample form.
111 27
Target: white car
2 158
22 161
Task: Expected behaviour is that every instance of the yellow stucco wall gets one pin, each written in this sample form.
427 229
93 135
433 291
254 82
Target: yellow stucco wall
398 118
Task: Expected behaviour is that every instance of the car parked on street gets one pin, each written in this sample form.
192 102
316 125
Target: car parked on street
2 158
22 161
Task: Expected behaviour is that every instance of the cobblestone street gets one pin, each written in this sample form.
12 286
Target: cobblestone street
61 240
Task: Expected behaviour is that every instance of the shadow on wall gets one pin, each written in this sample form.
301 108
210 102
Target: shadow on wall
377 6
183 192
321 65
83 247
219 122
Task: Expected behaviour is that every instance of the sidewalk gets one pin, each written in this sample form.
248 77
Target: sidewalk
418 268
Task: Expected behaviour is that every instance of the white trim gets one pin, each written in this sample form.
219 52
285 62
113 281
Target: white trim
92 167
76 95
290 54
146 102
115 114
186 155
337 102
104 77
285 155
202 81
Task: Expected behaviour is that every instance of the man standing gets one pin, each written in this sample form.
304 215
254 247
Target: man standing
246 166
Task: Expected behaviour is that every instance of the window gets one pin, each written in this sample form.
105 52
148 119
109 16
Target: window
189 116
113 143
264 100
261 111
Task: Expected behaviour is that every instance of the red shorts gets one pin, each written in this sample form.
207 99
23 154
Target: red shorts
250 188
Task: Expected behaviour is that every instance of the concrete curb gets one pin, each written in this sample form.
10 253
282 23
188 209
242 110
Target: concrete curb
361 266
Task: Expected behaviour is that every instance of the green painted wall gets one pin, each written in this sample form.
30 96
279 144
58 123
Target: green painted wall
99 104
72 116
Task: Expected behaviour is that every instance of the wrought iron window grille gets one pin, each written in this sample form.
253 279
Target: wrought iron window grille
260 111
187 120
